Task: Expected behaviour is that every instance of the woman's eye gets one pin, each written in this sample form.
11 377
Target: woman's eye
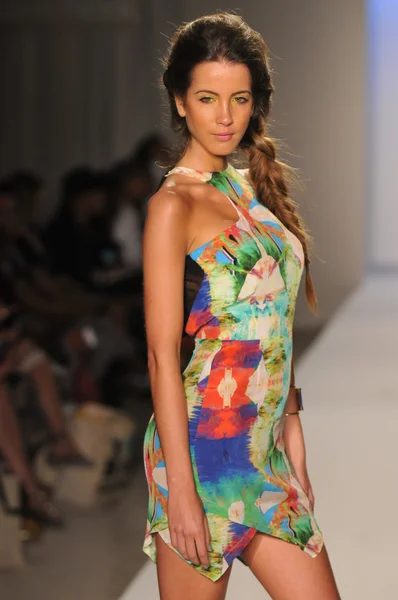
238 99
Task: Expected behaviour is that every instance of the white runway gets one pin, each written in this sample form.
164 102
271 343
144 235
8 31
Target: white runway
349 378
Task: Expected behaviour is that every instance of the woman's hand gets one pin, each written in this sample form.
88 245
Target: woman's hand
189 529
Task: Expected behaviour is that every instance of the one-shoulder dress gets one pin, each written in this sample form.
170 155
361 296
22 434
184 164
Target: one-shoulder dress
240 297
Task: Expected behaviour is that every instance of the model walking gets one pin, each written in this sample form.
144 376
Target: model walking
224 252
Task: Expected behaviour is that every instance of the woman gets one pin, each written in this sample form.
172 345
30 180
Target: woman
224 451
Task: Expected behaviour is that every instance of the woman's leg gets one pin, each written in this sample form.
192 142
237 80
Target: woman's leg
34 362
286 572
11 444
39 506
178 580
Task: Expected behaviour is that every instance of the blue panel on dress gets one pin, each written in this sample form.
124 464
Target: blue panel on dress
222 257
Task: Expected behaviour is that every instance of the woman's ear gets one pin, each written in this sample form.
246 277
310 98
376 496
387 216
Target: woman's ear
180 106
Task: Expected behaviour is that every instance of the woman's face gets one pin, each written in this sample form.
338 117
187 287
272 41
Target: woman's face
217 107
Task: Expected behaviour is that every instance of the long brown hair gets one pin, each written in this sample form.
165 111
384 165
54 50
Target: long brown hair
224 36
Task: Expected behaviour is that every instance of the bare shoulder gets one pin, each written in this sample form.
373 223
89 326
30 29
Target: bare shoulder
168 202
167 220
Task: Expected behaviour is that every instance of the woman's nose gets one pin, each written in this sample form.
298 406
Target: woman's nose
224 116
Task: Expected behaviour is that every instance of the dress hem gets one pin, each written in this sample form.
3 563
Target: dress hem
215 573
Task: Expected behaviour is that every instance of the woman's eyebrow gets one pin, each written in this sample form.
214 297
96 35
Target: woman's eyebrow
216 94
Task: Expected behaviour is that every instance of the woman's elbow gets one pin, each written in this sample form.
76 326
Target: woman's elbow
162 358
151 359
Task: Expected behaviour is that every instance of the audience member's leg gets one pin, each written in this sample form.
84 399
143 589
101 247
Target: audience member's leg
35 363
39 506
11 443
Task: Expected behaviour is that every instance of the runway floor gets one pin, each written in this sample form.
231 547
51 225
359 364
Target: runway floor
349 378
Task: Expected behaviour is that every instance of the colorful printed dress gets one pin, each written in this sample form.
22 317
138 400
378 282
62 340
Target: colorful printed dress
241 290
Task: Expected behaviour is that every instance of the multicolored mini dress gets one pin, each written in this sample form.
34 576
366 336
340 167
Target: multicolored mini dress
241 290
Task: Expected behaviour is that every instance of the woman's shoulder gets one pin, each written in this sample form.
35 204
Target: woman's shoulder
169 207
167 221
174 197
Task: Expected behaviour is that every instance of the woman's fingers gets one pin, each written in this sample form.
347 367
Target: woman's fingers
194 549
181 546
202 547
173 538
191 550
207 533
190 536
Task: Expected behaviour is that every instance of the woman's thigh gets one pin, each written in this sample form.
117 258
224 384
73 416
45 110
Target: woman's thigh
288 573
180 581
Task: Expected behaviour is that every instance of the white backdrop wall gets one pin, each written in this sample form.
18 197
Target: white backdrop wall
383 138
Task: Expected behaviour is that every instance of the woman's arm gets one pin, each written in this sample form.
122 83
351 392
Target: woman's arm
164 249
294 440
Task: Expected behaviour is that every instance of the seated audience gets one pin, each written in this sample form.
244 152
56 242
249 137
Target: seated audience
130 186
78 239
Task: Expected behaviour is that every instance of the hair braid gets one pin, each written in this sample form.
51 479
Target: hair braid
270 178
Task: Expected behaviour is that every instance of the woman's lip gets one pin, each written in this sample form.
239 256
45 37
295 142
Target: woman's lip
224 137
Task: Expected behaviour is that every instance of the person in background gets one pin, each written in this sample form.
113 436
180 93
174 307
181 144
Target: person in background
130 186
39 505
28 189
71 238
27 357
78 238
80 243
43 290
150 154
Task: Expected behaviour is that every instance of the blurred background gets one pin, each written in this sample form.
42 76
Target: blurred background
83 132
